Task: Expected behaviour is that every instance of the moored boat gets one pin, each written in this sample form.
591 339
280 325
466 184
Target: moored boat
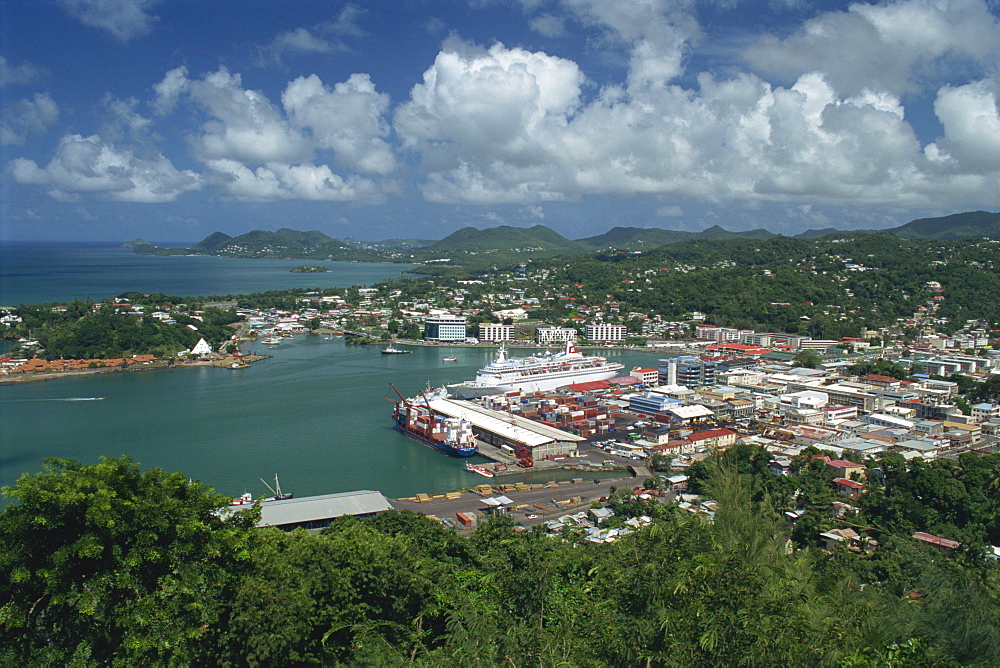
481 470
418 419
539 372
245 499
276 493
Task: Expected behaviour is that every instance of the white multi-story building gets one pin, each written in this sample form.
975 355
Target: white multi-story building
444 328
981 412
816 344
492 331
648 377
547 335
605 332
720 334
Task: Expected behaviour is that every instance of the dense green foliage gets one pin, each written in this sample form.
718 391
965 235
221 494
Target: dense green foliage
283 243
967 225
818 287
958 499
111 565
81 332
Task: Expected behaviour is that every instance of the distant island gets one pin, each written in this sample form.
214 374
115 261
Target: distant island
309 270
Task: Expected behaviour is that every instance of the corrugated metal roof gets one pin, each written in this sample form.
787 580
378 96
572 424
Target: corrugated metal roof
318 508
511 427
688 412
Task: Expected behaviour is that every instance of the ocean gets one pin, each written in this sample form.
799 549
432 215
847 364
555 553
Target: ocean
38 272
318 413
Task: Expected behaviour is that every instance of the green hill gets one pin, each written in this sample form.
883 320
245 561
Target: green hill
633 238
968 225
639 238
506 239
716 232
213 241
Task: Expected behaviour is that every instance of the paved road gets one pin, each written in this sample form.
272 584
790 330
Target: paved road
552 498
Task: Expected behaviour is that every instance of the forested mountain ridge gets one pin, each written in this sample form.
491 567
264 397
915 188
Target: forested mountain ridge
282 243
505 238
642 238
507 243
969 225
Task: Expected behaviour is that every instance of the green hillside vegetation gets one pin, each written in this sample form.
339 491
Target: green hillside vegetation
640 238
213 241
505 239
969 225
476 248
283 243
80 332
110 564
794 285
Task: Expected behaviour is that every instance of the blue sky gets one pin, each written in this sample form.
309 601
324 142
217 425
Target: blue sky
171 119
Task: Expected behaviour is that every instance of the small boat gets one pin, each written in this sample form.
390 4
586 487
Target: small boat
390 350
481 470
449 358
276 492
270 341
246 499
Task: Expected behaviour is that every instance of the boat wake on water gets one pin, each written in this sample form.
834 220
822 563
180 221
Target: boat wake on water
28 401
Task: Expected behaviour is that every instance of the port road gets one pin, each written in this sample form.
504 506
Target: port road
541 501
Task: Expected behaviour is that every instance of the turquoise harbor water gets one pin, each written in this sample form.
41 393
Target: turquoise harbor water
315 413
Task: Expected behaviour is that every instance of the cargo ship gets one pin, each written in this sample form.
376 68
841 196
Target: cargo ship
416 419
539 372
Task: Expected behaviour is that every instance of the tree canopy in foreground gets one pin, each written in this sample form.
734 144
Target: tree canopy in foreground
112 564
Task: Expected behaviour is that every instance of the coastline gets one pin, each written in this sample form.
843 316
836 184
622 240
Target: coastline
225 361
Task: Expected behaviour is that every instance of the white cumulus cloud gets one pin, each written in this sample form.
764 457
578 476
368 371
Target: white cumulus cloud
260 151
885 46
124 19
506 126
169 90
87 164
278 182
349 119
24 73
970 115
244 125
27 117
479 110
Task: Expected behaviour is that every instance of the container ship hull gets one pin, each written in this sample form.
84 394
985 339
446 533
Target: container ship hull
450 435
441 446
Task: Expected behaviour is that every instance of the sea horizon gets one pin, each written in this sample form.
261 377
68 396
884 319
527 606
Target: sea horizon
39 272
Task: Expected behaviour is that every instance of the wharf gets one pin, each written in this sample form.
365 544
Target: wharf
502 459
532 503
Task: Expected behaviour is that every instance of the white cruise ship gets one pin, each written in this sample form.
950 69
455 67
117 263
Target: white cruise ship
540 372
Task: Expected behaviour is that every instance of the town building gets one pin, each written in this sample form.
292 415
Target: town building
491 331
605 332
445 328
316 512
688 371
549 335
648 377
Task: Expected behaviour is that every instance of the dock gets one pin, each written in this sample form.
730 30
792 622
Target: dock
529 503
